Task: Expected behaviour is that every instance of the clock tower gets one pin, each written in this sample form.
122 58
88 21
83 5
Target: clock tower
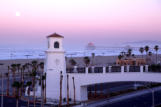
54 65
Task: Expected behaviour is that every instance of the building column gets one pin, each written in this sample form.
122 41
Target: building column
128 68
109 68
86 70
146 68
75 69
122 69
92 69
104 70
141 68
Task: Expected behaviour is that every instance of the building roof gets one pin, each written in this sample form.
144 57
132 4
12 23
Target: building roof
55 35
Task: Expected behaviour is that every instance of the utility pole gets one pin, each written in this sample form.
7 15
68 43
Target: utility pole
2 86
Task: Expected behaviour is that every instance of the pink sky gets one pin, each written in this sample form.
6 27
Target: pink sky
104 22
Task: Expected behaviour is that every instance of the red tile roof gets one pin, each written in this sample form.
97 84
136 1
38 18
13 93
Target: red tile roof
55 35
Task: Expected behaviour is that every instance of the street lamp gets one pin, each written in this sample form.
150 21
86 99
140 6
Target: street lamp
152 91
2 86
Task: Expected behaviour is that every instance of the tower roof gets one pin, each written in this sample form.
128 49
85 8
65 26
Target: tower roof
55 35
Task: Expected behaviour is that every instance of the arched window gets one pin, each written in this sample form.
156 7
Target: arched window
56 45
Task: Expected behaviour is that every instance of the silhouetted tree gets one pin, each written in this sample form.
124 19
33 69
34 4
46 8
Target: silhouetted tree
156 48
141 50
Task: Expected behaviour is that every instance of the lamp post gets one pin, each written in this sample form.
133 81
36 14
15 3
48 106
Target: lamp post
152 91
2 87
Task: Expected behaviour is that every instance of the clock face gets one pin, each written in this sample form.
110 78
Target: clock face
57 61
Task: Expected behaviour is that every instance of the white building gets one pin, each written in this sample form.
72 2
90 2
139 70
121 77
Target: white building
55 64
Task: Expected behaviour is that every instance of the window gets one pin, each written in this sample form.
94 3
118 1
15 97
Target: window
56 45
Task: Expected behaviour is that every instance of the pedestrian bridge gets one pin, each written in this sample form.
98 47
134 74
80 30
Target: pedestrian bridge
105 75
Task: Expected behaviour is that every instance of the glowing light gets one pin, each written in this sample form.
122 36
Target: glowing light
18 13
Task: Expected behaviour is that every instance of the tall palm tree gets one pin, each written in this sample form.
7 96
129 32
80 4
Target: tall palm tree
141 49
93 57
120 57
22 77
17 85
61 80
34 65
43 78
129 52
67 90
72 62
29 83
156 48
74 89
13 69
8 80
18 67
45 87
7 76
150 53
86 61
33 75
146 49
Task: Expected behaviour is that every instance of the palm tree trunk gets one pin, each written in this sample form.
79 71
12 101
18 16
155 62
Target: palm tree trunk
42 92
34 91
67 89
74 90
16 102
45 90
14 80
28 104
156 57
8 84
60 100
17 97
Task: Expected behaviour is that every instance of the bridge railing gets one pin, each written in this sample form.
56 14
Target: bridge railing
111 69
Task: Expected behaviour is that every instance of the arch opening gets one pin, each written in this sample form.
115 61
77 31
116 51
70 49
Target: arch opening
56 45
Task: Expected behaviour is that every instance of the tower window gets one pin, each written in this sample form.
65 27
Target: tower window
56 45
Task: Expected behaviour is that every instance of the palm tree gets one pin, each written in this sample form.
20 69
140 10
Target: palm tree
72 62
33 75
74 89
8 80
17 85
61 80
156 48
29 83
93 57
43 86
67 90
129 52
18 67
13 69
34 65
141 49
133 55
86 61
7 91
150 53
146 49
120 57
43 77
22 76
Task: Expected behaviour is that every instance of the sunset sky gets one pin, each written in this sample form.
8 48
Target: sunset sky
26 23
